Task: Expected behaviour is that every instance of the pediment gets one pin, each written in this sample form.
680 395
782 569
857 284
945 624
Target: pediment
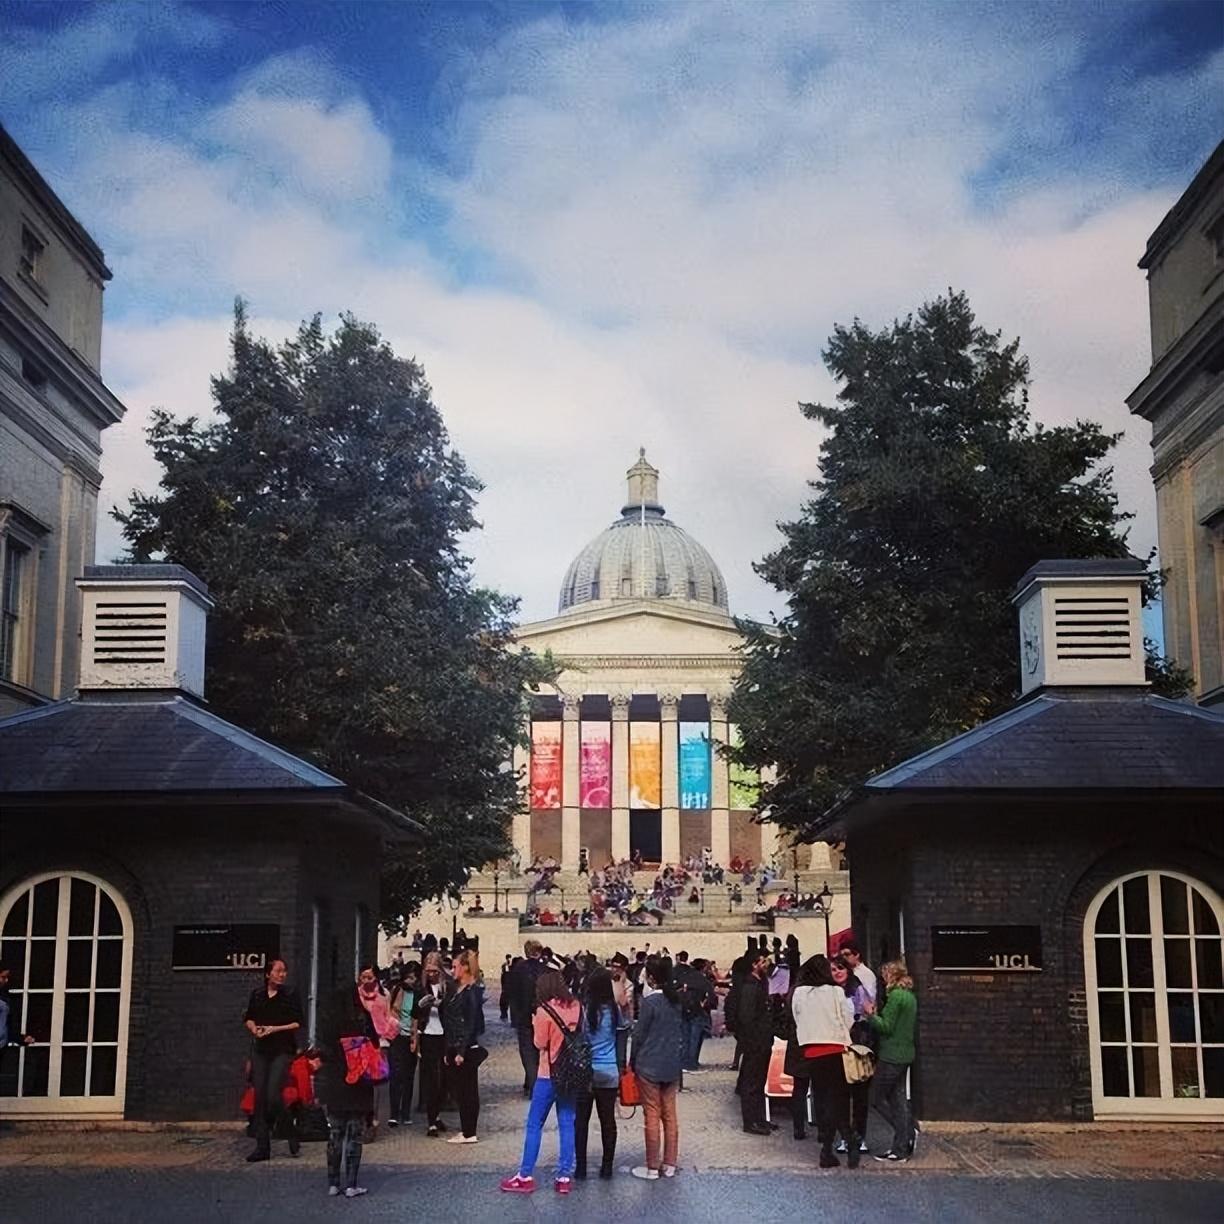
633 629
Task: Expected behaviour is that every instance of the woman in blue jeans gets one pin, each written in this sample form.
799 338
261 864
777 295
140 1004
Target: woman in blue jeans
551 990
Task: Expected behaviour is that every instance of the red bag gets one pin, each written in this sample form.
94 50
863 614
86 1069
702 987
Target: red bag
630 1089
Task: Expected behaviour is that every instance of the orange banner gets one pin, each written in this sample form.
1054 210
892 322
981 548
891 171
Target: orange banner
545 765
645 765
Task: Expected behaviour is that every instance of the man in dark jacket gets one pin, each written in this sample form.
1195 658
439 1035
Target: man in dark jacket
754 1029
522 1008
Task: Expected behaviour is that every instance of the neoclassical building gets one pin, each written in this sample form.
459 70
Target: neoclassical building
623 751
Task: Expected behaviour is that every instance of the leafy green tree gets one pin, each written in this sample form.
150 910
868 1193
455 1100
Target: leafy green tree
936 492
324 506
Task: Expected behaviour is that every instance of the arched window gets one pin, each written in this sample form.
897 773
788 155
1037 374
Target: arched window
1154 962
68 941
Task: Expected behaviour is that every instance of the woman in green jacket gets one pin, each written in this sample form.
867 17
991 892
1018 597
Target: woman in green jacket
895 1025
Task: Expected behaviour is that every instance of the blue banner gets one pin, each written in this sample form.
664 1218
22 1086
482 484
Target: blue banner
695 774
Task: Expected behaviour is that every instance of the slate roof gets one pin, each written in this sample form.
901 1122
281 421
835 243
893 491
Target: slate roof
157 743
1064 740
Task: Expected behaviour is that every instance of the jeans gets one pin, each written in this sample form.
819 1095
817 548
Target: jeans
268 1072
659 1114
433 1049
831 1097
860 1095
465 1087
893 1102
754 1068
403 1071
529 1056
696 1029
344 1131
542 1100
604 1100
801 1088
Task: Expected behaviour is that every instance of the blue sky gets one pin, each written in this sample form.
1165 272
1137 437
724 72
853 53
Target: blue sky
605 226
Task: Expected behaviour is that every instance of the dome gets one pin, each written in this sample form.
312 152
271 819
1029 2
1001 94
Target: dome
644 555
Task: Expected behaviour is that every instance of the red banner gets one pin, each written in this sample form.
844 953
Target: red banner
595 768
545 765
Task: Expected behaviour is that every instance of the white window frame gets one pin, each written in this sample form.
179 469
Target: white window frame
53 1105
1167 1107
312 999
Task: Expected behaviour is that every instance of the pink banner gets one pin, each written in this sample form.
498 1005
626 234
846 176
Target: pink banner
545 765
595 768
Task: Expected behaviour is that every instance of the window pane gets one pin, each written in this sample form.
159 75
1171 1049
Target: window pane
13 953
1138 962
108 917
1185 1072
37 1020
1135 906
1143 1015
37 1069
110 961
1109 962
1210 963
1173 907
1181 1017
102 1074
1177 963
106 1017
1213 1073
1146 1065
81 909
1204 919
42 964
72 1071
1112 1015
46 907
76 1016
1107 916
1114 1080
15 923
80 963
1211 1016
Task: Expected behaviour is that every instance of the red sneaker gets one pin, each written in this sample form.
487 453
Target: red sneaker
562 1185
518 1185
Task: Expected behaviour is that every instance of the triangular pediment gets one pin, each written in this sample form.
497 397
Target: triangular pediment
632 627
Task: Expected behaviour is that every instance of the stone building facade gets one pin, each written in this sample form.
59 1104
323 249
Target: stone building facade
53 409
1183 398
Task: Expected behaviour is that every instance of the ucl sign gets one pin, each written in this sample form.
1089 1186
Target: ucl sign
252 945
986 949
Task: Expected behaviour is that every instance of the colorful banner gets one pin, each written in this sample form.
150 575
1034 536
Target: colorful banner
645 760
595 765
695 774
745 782
545 765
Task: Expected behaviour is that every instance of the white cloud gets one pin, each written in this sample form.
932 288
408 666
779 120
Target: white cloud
694 199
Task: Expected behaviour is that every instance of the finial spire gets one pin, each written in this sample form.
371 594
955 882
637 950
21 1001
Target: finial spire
643 485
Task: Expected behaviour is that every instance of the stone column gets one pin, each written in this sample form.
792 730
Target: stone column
520 835
669 706
770 839
570 812
620 776
720 788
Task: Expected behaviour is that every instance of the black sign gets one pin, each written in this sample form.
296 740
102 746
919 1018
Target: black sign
242 946
986 949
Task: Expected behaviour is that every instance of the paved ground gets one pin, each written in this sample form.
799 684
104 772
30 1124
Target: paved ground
960 1173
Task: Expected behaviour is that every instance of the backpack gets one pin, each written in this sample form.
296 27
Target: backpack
571 1070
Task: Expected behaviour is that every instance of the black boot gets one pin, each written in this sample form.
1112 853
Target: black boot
827 1159
605 1169
852 1151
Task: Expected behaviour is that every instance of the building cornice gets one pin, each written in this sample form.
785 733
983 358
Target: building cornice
1177 216
650 662
590 614
1188 355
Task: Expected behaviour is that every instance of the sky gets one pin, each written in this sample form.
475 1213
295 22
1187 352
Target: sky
601 227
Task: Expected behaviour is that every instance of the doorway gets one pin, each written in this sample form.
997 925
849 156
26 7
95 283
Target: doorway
646 835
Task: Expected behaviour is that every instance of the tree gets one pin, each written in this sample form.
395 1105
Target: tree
324 507
935 494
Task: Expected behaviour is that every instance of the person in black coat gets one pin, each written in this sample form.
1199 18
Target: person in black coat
461 1016
754 1030
347 1105
522 1008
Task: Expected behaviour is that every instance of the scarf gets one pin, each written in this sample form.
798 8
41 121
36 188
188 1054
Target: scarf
379 1008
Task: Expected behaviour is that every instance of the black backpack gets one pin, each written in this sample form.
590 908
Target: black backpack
571 1070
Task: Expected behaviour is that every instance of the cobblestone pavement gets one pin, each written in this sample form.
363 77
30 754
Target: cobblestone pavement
711 1142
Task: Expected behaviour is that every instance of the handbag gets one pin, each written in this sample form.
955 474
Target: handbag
630 1090
476 1055
859 1063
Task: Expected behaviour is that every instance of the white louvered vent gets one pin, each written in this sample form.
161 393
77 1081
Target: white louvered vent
129 632
1080 624
143 627
1088 627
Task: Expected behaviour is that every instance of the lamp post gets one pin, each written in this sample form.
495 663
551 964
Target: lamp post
454 902
701 894
795 865
496 881
824 907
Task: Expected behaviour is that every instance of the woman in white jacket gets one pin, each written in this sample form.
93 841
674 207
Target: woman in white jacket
823 1015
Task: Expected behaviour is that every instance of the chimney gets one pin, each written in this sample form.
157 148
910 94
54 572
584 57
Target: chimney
142 627
1080 623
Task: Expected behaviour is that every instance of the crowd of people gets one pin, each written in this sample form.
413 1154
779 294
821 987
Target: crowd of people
590 1033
